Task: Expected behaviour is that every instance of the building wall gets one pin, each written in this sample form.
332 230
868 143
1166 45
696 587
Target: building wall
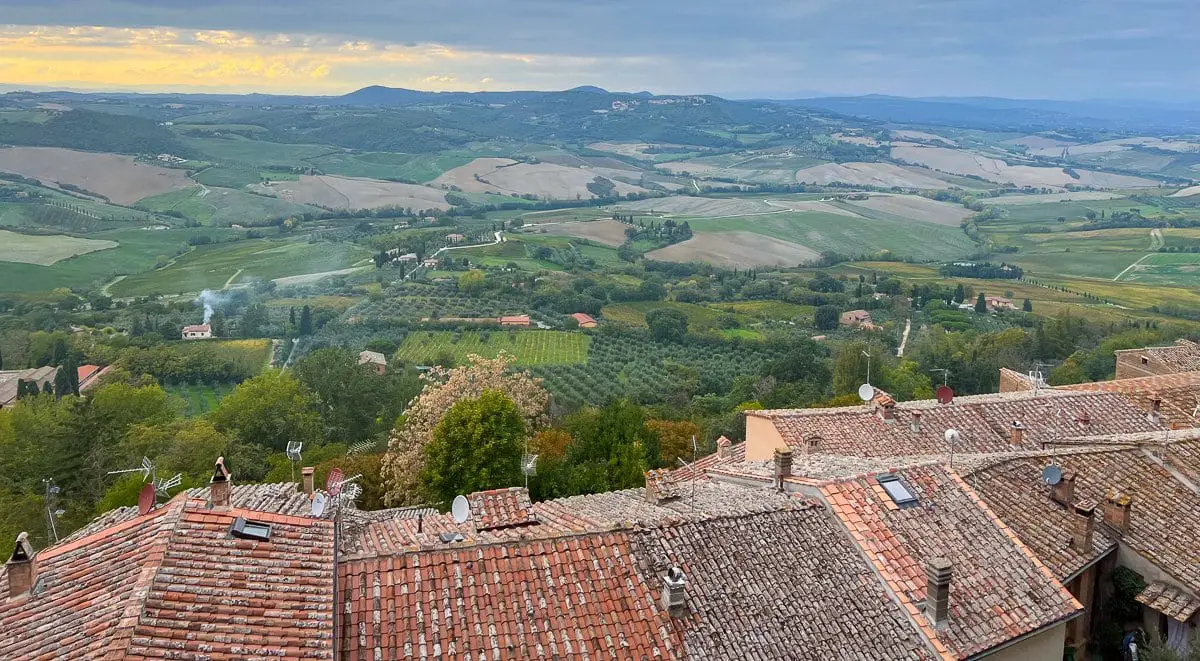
1129 365
1011 381
1079 630
762 438
1046 646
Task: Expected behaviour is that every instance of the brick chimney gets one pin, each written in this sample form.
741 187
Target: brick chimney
1084 524
783 465
306 477
20 567
674 597
220 486
1116 511
937 590
915 424
1155 414
724 448
1018 433
1083 418
661 486
1063 493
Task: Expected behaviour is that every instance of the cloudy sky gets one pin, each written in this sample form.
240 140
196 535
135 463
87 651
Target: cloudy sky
1065 49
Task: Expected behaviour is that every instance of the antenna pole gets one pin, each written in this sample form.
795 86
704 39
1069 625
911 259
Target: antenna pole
51 526
868 355
693 470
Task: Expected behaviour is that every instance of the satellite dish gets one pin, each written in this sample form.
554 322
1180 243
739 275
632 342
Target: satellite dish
952 435
333 483
945 395
293 450
866 392
318 504
146 499
1052 475
461 509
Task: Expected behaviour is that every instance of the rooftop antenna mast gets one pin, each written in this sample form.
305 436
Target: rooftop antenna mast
293 454
528 464
945 375
52 513
868 355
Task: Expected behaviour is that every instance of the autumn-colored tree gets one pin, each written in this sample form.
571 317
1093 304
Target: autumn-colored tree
476 446
443 389
674 439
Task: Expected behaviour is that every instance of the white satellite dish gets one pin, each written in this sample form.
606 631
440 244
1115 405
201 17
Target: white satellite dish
318 504
952 436
293 450
460 509
866 392
1052 475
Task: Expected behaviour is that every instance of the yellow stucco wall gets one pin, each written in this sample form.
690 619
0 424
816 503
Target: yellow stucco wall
1046 646
761 438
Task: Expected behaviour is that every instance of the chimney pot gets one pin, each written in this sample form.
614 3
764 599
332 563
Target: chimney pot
1156 402
20 567
915 425
1083 418
724 448
1081 535
1116 511
1063 493
220 486
674 597
306 475
1018 433
783 465
939 571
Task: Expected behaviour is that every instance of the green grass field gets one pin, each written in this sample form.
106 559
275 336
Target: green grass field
212 266
138 250
46 249
774 310
200 399
386 165
223 206
700 318
848 235
239 150
531 347
1172 269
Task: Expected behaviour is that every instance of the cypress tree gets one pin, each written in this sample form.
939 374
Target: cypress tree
981 304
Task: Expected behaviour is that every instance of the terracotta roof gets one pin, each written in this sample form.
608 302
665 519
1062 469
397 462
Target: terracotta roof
737 452
84 371
1183 356
1177 394
1163 526
501 508
780 584
1170 600
999 590
175 584
984 423
373 357
583 318
198 328
574 597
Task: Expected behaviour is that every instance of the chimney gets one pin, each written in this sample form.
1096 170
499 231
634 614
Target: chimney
1063 493
915 425
673 596
783 465
1155 414
1018 433
660 486
1081 535
887 411
20 567
1083 418
724 448
220 486
937 590
306 476
1116 511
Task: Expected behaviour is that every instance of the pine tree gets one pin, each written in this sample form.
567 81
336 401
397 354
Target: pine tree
47 388
62 385
1027 306
981 304
306 321
292 316
960 294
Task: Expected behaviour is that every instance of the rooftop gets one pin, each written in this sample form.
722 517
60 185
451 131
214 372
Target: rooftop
1183 356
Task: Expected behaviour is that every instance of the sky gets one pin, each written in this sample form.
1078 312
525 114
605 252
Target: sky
1059 49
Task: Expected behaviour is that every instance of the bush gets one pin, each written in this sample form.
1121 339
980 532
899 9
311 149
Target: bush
826 317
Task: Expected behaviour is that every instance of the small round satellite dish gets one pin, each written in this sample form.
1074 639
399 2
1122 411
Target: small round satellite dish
318 504
1052 475
146 499
460 509
866 392
333 483
952 436
944 395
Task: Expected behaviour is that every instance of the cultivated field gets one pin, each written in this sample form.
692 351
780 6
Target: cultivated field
970 164
200 399
1187 192
351 193
223 206
700 317
1074 196
916 208
119 178
530 347
740 249
870 174
682 205
46 249
608 232
545 180
1172 269
923 136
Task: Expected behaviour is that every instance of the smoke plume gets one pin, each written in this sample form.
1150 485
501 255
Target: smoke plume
210 300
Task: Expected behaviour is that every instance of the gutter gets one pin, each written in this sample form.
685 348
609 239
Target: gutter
1009 643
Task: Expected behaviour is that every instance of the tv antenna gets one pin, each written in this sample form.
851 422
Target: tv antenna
362 447
945 375
868 355
146 469
293 454
162 488
52 512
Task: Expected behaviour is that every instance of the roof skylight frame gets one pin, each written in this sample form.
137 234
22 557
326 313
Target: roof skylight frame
252 530
898 490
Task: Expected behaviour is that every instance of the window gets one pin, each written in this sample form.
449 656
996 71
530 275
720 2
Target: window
1145 360
897 490
243 529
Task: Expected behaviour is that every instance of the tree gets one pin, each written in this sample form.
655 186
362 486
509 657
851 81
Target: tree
355 403
292 316
1027 305
444 388
674 439
270 410
960 294
306 327
981 304
667 324
62 384
255 318
476 446
472 282
826 317
610 448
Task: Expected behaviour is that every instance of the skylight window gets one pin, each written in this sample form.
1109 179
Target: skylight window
243 529
897 490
